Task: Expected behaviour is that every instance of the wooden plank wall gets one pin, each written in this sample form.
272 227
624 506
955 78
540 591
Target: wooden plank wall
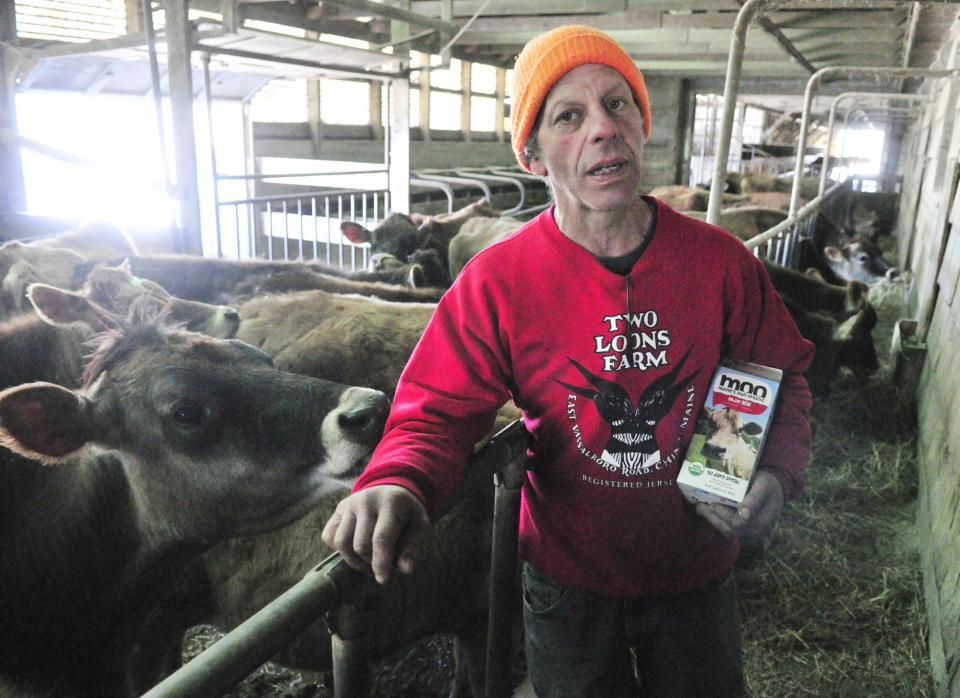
930 247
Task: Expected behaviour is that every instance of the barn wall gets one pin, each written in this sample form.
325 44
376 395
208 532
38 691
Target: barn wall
662 157
930 246
663 151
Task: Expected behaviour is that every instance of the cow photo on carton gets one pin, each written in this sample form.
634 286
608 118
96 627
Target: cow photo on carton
604 319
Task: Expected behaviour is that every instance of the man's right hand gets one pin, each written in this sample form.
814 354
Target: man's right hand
379 528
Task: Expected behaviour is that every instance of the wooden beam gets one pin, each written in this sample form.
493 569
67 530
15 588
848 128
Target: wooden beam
12 190
397 143
467 8
788 46
180 77
399 14
616 20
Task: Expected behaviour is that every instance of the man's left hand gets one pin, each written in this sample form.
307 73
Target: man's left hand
756 513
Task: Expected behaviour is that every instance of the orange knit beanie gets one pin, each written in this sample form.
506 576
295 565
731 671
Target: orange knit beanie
546 58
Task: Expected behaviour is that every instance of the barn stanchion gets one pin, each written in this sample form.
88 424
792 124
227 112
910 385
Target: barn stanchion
504 587
253 642
349 626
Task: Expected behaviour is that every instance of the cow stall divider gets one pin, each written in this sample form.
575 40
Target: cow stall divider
337 590
780 241
300 225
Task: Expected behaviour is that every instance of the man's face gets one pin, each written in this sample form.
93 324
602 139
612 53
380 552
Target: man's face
591 140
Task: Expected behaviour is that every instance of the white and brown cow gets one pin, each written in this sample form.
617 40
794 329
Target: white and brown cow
177 441
724 445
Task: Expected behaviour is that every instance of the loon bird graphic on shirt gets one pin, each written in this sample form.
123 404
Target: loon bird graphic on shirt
632 444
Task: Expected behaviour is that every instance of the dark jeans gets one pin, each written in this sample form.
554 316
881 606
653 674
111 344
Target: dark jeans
579 644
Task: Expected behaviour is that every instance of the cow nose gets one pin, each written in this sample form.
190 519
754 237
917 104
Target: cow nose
231 315
892 273
364 418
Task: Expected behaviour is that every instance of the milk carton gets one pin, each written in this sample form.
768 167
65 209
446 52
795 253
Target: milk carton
730 433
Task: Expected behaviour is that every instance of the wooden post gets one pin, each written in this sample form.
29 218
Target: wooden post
12 191
185 144
397 141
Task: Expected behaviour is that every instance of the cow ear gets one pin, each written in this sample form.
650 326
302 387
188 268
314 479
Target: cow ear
857 293
56 306
355 233
419 219
417 278
752 428
832 253
44 421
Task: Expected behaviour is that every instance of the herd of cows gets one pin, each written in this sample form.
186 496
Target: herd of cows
178 429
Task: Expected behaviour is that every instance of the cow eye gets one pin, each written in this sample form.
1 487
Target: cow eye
188 412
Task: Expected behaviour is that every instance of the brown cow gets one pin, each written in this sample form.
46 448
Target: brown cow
23 264
745 222
446 593
54 260
686 198
218 280
476 235
763 181
48 344
177 441
349 338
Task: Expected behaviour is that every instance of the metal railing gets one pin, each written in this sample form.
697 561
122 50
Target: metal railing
299 225
332 582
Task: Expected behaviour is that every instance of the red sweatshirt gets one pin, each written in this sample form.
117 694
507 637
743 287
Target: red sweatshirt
610 372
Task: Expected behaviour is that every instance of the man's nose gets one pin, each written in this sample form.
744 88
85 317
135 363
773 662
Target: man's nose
601 124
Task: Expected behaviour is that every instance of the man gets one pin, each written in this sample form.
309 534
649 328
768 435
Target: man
604 319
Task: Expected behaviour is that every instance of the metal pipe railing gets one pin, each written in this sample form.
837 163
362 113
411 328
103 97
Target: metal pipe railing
310 209
831 121
450 179
239 653
730 90
492 177
848 72
431 184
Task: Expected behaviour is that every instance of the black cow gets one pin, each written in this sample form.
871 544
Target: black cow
632 429
178 441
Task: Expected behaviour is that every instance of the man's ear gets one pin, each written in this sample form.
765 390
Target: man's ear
537 166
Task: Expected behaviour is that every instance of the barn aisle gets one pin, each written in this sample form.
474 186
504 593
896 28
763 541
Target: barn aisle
834 607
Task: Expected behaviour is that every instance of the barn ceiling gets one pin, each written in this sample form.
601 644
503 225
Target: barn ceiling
786 43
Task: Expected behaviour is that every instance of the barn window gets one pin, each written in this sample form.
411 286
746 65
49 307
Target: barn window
509 91
753 125
71 20
483 78
483 113
444 111
483 103
446 78
281 101
344 101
